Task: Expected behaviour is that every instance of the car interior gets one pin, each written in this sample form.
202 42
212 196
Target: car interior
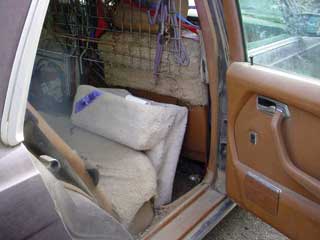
165 119
133 108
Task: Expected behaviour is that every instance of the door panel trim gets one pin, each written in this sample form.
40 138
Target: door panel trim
308 182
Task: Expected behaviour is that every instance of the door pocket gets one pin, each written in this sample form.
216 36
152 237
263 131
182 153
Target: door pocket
262 193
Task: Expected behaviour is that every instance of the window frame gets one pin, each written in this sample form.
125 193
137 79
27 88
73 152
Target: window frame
17 93
243 37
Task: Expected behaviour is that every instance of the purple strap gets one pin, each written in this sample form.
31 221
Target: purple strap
177 47
160 39
86 100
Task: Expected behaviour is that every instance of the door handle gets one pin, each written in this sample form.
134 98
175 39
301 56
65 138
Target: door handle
271 106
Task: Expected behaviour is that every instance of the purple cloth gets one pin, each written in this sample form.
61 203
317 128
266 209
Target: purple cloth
86 100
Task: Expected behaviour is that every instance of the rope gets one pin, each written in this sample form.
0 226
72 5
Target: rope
177 47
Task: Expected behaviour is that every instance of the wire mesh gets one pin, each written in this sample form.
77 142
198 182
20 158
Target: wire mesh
86 30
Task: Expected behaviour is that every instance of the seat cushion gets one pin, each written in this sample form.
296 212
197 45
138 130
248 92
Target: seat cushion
127 176
129 122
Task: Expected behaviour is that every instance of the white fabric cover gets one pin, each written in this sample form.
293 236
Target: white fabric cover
140 124
127 176
130 123
165 156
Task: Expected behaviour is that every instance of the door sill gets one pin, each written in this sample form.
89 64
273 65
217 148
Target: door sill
184 220
208 223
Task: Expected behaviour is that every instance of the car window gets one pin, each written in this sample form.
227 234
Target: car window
263 22
192 12
283 34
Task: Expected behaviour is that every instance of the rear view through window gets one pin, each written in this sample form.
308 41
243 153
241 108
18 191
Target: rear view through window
283 34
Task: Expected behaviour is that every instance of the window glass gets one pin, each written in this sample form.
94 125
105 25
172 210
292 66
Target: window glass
283 34
192 12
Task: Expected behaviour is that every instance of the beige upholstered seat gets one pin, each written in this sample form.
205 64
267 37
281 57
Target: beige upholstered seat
127 176
155 128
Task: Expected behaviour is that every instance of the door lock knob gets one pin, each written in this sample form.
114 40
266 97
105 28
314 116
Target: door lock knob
253 137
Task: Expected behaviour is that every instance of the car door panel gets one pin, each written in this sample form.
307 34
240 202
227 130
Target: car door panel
273 168
26 208
263 156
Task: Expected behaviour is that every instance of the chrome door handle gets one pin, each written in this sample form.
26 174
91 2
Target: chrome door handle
270 106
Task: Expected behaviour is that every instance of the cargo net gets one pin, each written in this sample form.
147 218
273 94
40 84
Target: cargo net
103 35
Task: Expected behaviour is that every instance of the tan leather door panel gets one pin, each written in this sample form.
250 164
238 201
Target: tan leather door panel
273 166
